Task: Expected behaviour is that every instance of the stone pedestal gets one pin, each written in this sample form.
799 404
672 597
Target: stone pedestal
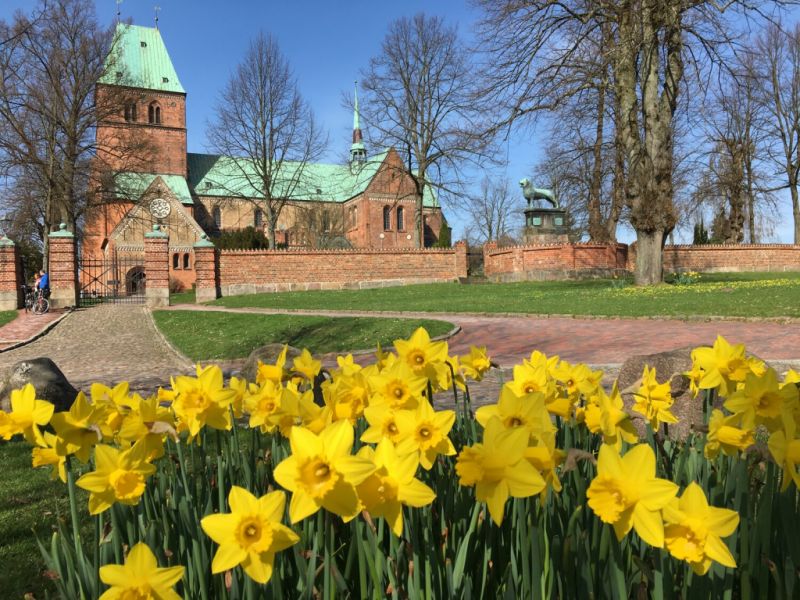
10 275
156 267
63 268
546 226
205 267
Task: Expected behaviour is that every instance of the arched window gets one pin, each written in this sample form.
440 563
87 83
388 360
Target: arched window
258 218
355 217
217 215
130 111
387 218
326 221
186 261
176 261
401 223
154 113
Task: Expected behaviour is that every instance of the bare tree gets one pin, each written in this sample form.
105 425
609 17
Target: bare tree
319 225
493 212
533 49
777 65
267 133
418 99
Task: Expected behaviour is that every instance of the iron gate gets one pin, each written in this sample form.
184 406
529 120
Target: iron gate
111 280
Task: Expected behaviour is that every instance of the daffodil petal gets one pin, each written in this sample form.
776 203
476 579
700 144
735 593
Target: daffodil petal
228 556
649 525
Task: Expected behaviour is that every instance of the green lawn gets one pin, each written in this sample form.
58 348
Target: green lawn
724 294
29 502
186 297
219 335
6 316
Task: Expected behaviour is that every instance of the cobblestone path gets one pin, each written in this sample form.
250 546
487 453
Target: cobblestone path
108 344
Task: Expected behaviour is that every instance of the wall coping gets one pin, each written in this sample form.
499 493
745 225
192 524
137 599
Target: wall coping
62 232
557 245
343 251
730 246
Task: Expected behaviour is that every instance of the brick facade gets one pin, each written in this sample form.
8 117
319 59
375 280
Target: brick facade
205 261
157 267
565 261
248 272
10 276
63 269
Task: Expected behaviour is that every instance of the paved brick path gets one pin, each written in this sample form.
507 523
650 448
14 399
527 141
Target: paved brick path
593 341
25 326
108 344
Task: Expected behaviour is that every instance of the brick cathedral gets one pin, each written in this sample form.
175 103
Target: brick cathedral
189 194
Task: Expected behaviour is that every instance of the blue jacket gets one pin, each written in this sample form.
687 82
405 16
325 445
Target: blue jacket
44 282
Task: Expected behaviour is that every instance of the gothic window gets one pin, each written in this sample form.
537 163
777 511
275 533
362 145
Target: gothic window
326 221
186 262
130 111
176 261
154 114
387 218
401 223
352 218
217 215
258 218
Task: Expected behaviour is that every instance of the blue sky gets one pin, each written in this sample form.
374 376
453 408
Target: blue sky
327 43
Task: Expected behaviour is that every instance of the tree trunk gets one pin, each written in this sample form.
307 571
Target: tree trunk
272 224
750 199
597 229
649 268
795 211
419 235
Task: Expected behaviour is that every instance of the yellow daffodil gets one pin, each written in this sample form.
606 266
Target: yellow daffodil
425 431
546 458
518 411
694 530
307 365
761 400
606 416
784 445
695 376
539 359
577 379
384 359
529 379
426 358
241 388
347 365
76 430
26 416
347 396
119 476
202 401
626 493
724 434
477 363
321 473
250 534
272 372
382 422
498 469
723 365
653 400
392 485
270 405
111 405
46 455
397 386
140 577
147 424
792 376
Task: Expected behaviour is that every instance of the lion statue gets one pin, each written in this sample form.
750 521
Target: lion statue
532 194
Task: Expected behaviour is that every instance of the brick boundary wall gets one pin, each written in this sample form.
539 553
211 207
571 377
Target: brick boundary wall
63 268
255 271
567 261
10 275
553 261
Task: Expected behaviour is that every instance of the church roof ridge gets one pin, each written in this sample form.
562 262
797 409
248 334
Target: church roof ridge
139 59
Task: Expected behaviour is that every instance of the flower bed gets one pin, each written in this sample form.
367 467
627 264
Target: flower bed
309 483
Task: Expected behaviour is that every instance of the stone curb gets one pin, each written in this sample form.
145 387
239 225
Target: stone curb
488 315
181 356
40 333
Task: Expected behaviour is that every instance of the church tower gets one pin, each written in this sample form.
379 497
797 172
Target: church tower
358 152
144 106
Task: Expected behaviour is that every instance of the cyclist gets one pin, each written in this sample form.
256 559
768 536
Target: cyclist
43 283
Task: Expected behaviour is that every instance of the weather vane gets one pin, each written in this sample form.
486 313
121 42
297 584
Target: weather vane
119 11
158 10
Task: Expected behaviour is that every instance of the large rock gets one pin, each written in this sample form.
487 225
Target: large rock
266 354
670 366
46 377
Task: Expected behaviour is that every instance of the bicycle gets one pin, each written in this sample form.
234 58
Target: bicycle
36 301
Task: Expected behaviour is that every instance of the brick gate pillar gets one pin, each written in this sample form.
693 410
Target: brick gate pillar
63 268
156 267
205 267
10 275
462 265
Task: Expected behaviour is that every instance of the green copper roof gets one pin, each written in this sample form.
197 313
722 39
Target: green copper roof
140 59
223 176
133 185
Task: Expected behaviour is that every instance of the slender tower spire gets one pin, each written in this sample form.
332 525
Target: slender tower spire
358 152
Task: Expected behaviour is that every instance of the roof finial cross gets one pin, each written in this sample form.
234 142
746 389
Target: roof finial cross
157 9
119 11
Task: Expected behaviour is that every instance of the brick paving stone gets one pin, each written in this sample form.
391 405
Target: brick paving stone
25 326
107 343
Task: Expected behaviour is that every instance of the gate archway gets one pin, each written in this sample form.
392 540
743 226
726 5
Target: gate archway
113 279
